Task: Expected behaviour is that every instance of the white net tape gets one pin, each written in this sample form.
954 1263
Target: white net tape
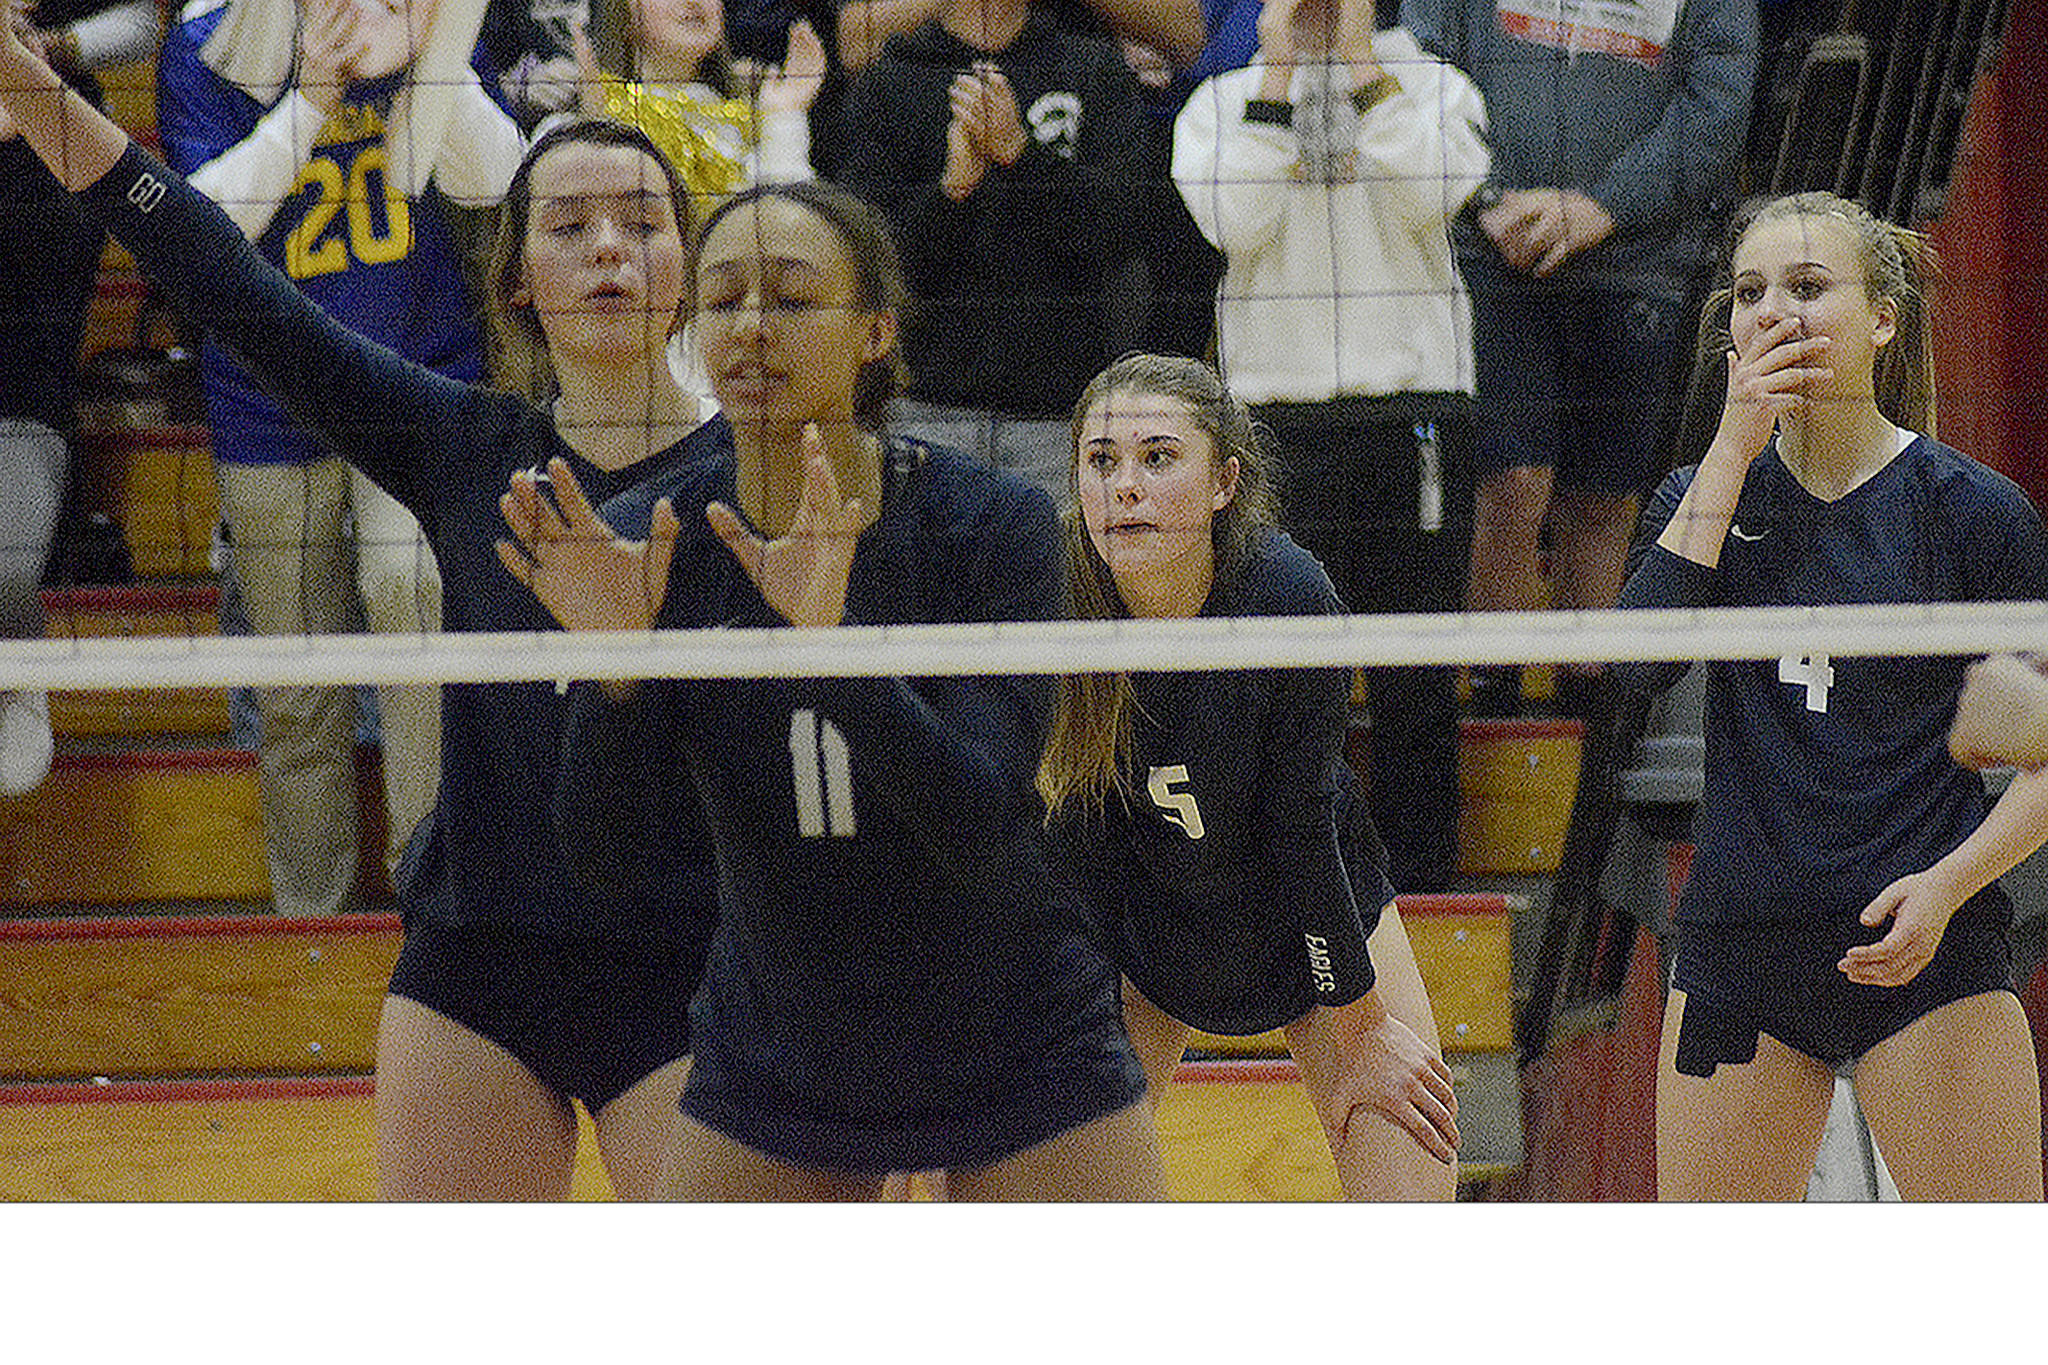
1029 647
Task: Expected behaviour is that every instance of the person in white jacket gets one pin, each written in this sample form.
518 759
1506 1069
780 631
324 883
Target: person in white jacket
334 134
1328 172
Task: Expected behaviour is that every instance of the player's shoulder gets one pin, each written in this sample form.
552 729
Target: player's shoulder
958 496
1280 578
1955 474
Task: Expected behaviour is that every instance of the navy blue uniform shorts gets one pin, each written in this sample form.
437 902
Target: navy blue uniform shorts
590 1018
1780 978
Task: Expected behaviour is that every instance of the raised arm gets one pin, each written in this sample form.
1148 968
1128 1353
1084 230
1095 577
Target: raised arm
202 118
387 416
77 142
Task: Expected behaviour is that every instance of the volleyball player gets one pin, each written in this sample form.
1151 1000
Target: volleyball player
896 982
515 993
1215 825
1843 911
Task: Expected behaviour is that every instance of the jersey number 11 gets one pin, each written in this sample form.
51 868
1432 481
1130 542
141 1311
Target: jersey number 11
822 768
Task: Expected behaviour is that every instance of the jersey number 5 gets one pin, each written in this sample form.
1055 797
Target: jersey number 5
1177 807
823 772
361 193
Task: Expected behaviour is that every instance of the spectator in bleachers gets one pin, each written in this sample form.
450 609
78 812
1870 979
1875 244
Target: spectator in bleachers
334 144
49 256
722 124
1615 132
1328 172
1003 150
1182 269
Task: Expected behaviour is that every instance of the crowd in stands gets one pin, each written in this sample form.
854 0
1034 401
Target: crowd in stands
1444 258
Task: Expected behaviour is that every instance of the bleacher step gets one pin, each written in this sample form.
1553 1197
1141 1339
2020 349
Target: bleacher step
140 998
166 610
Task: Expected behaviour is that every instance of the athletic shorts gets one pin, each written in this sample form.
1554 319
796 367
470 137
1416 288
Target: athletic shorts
589 1018
1030 1067
1780 978
1577 383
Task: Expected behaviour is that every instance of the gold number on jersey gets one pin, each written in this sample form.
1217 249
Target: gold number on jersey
307 255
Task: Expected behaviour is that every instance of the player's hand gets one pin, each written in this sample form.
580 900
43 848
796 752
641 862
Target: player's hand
1919 906
804 572
1392 1072
795 84
965 165
331 46
590 577
1768 379
2001 715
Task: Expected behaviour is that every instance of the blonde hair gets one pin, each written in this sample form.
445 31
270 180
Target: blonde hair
1899 266
1088 752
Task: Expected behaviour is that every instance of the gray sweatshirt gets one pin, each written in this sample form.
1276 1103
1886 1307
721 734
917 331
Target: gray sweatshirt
1641 104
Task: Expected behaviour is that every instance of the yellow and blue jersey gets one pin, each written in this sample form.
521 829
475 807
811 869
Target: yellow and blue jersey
381 264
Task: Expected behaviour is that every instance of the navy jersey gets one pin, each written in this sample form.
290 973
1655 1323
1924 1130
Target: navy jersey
384 265
1829 778
897 978
1244 879
486 854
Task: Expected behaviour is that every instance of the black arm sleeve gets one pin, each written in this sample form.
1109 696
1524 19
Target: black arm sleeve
390 418
1301 860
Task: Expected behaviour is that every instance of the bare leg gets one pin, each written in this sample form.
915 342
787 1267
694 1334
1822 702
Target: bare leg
638 1131
1748 1132
1592 533
709 1166
1507 529
1159 1039
1954 1101
458 1117
1377 1159
1115 1157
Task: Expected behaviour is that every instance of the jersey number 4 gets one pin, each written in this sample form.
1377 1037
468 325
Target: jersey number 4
1178 807
311 250
823 771
1811 671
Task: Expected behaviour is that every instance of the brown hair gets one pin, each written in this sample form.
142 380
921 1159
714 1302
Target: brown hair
1899 265
618 50
877 275
519 348
1088 753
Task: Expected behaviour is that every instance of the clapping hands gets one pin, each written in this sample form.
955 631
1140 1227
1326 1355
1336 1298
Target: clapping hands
986 128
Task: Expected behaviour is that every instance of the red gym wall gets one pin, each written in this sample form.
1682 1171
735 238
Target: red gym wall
1991 337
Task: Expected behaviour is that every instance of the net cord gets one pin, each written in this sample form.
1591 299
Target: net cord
1026 647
